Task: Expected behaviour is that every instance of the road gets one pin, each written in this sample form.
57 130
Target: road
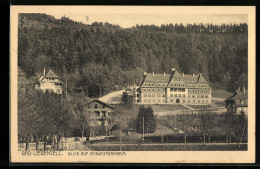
113 97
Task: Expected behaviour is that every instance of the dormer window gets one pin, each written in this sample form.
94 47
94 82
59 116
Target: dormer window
242 102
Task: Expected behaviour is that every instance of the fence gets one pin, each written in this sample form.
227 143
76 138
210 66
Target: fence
189 112
75 145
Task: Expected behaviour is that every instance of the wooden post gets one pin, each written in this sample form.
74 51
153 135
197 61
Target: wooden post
242 135
66 86
121 133
143 128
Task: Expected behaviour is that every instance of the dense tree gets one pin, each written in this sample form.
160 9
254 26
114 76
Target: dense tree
146 121
70 47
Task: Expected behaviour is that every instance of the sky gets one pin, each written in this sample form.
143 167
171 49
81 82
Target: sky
129 20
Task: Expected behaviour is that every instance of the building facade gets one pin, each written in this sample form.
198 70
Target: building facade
97 110
174 88
237 102
49 83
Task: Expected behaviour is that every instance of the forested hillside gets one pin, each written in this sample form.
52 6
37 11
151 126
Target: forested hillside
101 55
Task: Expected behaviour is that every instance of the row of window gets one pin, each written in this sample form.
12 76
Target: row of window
149 90
177 89
198 96
153 95
154 101
174 101
200 85
202 91
152 84
179 95
177 85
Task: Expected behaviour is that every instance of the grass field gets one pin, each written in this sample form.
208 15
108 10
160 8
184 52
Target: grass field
221 93
168 147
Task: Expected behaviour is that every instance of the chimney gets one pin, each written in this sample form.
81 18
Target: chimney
145 73
182 74
163 73
43 71
153 73
244 89
192 74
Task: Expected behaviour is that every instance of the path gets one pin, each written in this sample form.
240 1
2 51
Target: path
113 97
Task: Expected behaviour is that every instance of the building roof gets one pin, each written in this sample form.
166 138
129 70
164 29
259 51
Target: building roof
50 74
103 103
239 96
157 78
167 78
190 79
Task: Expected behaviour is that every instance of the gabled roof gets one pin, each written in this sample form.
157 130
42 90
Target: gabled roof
103 103
157 78
238 96
201 79
51 74
190 78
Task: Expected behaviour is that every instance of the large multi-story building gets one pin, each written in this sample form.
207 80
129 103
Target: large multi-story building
174 88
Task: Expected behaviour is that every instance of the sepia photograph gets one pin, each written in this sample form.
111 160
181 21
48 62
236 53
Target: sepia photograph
109 82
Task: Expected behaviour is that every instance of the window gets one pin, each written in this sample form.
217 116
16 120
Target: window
202 101
171 100
57 90
149 95
189 101
144 100
179 95
149 100
198 90
206 101
149 90
104 106
153 89
198 101
183 101
149 84
153 100
206 96
163 95
159 95
193 101
171 95
95 106
192 90
193 96
153 95
145 95
144 89
202 96
158 84
175 95
183 95
159 100
206 91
